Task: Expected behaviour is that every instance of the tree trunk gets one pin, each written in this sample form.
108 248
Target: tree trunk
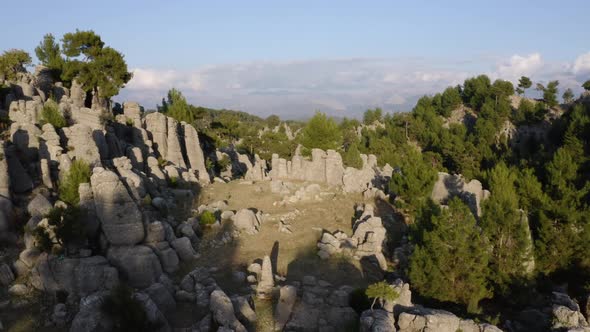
372 304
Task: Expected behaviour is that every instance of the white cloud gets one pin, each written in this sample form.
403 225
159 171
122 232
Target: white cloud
519 65
294 89
582 64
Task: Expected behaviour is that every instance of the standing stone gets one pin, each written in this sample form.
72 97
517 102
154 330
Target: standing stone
77 95
20 181
266 283
174 154
120 217
138 264
156 124
132 111
223 311
196 159
287 298
46 174
334 168
81 143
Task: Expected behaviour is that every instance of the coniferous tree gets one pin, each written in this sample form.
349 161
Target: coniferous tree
524 83
321 132
568 96
178 108
49 54
450 262
13 62
507 230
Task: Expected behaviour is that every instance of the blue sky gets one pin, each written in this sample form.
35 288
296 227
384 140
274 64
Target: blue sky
293 57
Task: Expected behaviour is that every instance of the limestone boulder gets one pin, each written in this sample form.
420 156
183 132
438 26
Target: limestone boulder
139 265
90 317
245 220
119 215
78 276
81 143
222 311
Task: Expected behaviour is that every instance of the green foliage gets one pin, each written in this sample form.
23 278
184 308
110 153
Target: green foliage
43 240
66 223
178 108
13 62
586 85
352 157
450 100
476 90
96 67
173 182
568 96
524 83
223 163
413 179
507 230
381 291
68 189
127 313
272 121
49 54
549 93
450 260
129 122
371 116
52 115
321 132
207 218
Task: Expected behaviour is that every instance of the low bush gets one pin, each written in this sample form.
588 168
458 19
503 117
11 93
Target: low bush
52 115
207 218
68 188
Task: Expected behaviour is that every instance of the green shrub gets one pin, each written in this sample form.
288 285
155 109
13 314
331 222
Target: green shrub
173 182
358 300
223 164
52 115
207 218
352 157
129 122
65 224
381 291
126 312
162 162
79 173
42 239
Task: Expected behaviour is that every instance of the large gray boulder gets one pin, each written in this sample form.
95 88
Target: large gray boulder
174 154
77 276
90 317
157 127
139 265
222 311
245 220
81 143
378 321
119 215
287 298
196 159
39 206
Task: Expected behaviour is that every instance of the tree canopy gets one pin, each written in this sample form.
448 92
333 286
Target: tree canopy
12 62
321 132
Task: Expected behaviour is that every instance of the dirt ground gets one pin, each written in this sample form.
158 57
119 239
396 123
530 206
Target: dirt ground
294 254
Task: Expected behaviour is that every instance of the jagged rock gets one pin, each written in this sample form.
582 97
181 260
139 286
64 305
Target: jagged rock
153 314
59 315
287 298
91 222
6 275
156 124
223 312
18 290
20 181
196 159
90 317
266 280
81 143
39 206
245 220
174 152
78 276
46 173
244 311
448 186
184 248
161 297
155 232
138 264
378 321
120 217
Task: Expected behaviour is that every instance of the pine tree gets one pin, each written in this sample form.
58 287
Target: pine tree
507 230
450 262
177 107
321 132
524 83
